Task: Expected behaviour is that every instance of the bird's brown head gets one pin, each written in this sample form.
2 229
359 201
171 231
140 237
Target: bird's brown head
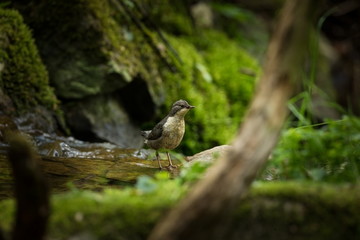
180 107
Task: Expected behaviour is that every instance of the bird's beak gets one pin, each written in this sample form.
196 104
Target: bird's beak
190 107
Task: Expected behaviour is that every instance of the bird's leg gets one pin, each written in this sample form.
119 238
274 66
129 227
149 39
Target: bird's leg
169 159
158 159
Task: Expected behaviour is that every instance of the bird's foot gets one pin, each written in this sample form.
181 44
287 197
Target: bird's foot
171 167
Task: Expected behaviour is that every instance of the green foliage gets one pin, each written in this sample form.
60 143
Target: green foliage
123 207
132 210
329 153
128 213
188 175
193 173
24 77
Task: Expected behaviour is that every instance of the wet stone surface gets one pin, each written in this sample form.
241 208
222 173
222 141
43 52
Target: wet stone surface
70 163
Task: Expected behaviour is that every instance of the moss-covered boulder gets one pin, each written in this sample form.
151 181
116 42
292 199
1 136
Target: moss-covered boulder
85 50
215 74
143 55
23 77
94 50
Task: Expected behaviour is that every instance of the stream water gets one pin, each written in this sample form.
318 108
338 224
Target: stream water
70 163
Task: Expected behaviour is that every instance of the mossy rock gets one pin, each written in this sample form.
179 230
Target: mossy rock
215 74
271 211
102 49
23 76
91 47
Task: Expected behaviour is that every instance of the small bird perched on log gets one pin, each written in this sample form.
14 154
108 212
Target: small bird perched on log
168 133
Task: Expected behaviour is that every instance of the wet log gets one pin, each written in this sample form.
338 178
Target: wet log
95 168
64 173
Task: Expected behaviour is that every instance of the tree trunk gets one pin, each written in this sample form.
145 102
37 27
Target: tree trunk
202 213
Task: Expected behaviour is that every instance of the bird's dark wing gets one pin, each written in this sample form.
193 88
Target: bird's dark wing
157 131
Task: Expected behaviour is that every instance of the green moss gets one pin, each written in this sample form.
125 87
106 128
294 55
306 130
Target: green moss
97 50
276 210
302 210
170 15
308 191
220 92
118 43
114 45
214 74
24 77
71 52
122 214
212 109
232 68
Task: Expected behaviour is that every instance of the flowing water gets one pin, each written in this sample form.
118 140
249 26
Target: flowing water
70 163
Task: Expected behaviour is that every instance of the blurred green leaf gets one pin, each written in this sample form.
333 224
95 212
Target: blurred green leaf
194 172
4 4
146 184
232 11
204 72
161 176
317 174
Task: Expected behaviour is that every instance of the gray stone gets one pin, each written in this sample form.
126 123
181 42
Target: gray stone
102 118
209 155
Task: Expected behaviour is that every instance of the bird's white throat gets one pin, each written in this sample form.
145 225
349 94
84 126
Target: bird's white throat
172 122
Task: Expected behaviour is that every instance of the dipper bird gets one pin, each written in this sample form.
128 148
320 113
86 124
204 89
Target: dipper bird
168 133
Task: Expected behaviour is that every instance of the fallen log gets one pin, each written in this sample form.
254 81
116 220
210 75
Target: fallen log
115 167
84 173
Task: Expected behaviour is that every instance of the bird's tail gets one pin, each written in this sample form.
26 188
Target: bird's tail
145 134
